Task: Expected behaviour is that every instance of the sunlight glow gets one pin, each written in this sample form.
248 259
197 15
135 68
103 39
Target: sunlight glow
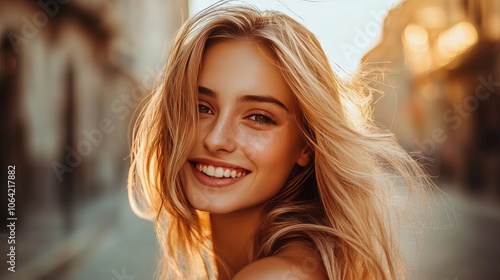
416 37
456 40
346 29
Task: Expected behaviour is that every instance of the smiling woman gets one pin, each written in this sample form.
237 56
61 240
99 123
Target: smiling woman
242 97
252 167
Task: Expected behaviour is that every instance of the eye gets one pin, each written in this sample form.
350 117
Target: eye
203 109
262 119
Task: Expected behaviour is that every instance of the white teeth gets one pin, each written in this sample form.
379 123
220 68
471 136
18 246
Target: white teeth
210 171
218 172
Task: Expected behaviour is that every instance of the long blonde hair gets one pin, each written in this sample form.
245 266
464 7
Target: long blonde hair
339 204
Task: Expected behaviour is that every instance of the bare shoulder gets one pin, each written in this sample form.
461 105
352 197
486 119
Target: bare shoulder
295 262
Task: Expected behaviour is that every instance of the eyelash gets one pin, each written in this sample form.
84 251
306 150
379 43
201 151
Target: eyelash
264 120
267 120
200 106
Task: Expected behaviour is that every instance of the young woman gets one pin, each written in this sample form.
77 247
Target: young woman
257 162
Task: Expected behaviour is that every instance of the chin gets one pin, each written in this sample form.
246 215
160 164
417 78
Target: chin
213 209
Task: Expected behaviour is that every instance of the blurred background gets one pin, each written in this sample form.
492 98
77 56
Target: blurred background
73 72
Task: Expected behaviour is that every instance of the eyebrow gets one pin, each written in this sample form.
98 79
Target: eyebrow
246 98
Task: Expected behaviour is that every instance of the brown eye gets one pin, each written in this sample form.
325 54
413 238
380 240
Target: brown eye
204 109
261 119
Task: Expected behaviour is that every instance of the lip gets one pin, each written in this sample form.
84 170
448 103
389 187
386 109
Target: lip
213 181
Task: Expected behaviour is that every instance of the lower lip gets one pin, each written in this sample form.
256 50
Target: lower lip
213 181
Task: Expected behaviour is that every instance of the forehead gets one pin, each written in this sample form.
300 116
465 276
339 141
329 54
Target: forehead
236 67
240 46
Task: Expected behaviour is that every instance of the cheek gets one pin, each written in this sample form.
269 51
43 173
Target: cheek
258 144
269 148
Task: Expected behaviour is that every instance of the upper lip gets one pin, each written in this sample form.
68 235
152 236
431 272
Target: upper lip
216 163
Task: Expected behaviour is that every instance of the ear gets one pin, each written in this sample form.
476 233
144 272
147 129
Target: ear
304 156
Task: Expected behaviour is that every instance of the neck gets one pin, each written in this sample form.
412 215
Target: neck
232 237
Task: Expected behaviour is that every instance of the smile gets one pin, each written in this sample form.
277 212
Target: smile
219 172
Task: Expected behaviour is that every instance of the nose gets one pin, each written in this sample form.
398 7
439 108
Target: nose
221 136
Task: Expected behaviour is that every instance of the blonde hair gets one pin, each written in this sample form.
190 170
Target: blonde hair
339 203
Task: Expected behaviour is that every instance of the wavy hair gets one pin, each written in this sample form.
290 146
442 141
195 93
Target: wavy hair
340 203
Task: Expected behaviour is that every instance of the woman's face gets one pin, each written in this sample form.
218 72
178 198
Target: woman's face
248 138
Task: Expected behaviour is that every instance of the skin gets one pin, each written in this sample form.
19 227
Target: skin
294 262
261 137
241 123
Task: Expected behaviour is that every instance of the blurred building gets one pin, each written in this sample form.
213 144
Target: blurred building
72 74
441 59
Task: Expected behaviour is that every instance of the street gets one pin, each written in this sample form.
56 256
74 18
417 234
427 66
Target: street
462 243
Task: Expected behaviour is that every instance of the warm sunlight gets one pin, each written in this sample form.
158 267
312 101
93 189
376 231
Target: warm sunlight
346 29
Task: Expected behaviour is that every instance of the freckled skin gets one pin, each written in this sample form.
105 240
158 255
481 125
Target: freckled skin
230 133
